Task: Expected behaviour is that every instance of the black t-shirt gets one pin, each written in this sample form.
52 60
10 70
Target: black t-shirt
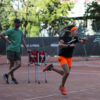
67 52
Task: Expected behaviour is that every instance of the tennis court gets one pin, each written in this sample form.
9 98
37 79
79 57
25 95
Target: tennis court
82 84
46 25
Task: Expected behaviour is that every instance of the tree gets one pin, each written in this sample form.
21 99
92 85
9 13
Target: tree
44 14
4 6
53 14
36 15
27 14
93 11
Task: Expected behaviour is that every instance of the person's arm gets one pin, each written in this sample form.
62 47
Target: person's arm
62 45
83 40
2 35
24 43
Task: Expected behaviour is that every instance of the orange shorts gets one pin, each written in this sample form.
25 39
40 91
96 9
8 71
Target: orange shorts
65 60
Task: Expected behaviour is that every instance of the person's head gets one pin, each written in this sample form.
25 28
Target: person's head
73 30
70 30
17 23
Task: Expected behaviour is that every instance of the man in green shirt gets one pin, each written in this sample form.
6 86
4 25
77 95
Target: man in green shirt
15 36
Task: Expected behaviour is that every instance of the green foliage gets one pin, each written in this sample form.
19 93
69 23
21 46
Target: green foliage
93 10
53 14
3 16
35 15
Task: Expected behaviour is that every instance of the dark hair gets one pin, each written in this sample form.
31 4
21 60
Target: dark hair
17 21
65 31
69 27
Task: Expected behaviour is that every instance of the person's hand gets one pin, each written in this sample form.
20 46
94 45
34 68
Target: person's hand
28 50
9 42
72 45
84 39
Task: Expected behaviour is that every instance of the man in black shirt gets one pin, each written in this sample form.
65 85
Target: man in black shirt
67 43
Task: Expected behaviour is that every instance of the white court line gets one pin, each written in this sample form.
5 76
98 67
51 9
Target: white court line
41 97
71 92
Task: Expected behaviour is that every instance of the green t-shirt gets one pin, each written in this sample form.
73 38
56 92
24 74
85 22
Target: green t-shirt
15 36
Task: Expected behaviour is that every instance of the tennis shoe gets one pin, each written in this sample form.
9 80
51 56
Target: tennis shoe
5 77
63 90
14 81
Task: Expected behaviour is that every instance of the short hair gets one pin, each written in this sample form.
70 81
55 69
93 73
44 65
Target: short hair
69 27
66 30
17 21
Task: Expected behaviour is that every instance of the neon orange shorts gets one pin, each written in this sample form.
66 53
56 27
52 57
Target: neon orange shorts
65 60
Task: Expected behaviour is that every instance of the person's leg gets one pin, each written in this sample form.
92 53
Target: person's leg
17 58
66 74
66 65
63 63
18 64
61 72
10 56
10 67
64 78
50 67
12 70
